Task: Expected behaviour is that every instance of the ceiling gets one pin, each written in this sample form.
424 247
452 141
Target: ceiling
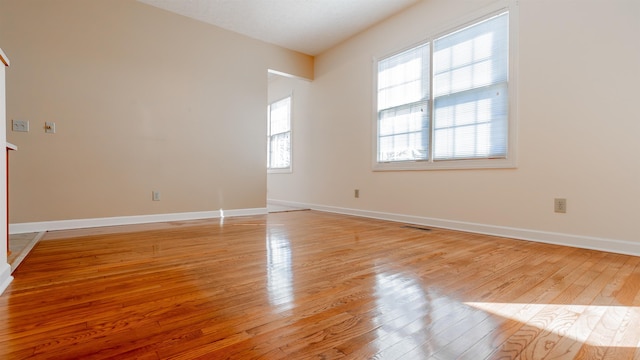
307 26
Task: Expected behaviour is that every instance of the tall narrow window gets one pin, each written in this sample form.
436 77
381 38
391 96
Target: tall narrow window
447 99
470 83
403 106
279 135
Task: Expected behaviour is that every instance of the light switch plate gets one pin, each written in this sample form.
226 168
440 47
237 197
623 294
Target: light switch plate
50 127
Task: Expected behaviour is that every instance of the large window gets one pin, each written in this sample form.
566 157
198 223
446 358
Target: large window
279 135
445 103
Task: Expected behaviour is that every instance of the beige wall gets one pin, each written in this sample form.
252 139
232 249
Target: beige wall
146 100
142 100
578 126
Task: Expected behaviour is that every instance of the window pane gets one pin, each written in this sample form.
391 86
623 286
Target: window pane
280 116
472 57
280 155
401 77
472 124
403 114
404 133
403 119
279 132
402 147
471 92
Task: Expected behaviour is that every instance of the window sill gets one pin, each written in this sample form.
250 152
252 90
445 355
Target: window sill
280 171
445 165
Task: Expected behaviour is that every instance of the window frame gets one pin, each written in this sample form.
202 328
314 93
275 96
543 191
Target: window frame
288 169
510 160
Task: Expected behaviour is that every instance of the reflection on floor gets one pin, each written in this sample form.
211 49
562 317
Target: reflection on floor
309 284
20 245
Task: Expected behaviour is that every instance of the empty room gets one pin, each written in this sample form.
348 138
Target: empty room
320 179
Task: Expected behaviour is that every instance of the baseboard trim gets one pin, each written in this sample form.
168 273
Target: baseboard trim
22 228
25 251
5 277
586 242
579 241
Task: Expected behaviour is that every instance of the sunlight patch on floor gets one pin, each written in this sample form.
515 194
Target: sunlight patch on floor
594 325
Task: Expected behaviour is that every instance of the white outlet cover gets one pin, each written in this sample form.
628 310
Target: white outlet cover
20 125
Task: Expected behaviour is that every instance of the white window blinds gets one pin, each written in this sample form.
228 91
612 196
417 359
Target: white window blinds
403 106
447 99
470 83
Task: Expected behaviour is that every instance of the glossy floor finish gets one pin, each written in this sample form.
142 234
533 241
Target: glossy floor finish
312 285
19 247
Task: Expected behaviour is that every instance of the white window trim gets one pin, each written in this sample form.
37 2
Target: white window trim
503 163
288 169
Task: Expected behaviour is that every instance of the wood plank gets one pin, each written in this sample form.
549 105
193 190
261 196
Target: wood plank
309 285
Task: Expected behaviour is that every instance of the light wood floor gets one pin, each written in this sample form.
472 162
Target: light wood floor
312 285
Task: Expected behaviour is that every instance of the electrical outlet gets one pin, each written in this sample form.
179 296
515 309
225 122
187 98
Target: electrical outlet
560 205
20 125
356 193
155 195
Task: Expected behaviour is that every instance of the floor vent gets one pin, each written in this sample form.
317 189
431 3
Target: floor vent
415 227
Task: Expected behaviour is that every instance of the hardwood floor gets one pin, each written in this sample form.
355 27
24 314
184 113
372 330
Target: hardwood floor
312 285
19 246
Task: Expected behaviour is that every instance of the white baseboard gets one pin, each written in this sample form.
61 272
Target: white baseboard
586 242
5 277
22 228
579 241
